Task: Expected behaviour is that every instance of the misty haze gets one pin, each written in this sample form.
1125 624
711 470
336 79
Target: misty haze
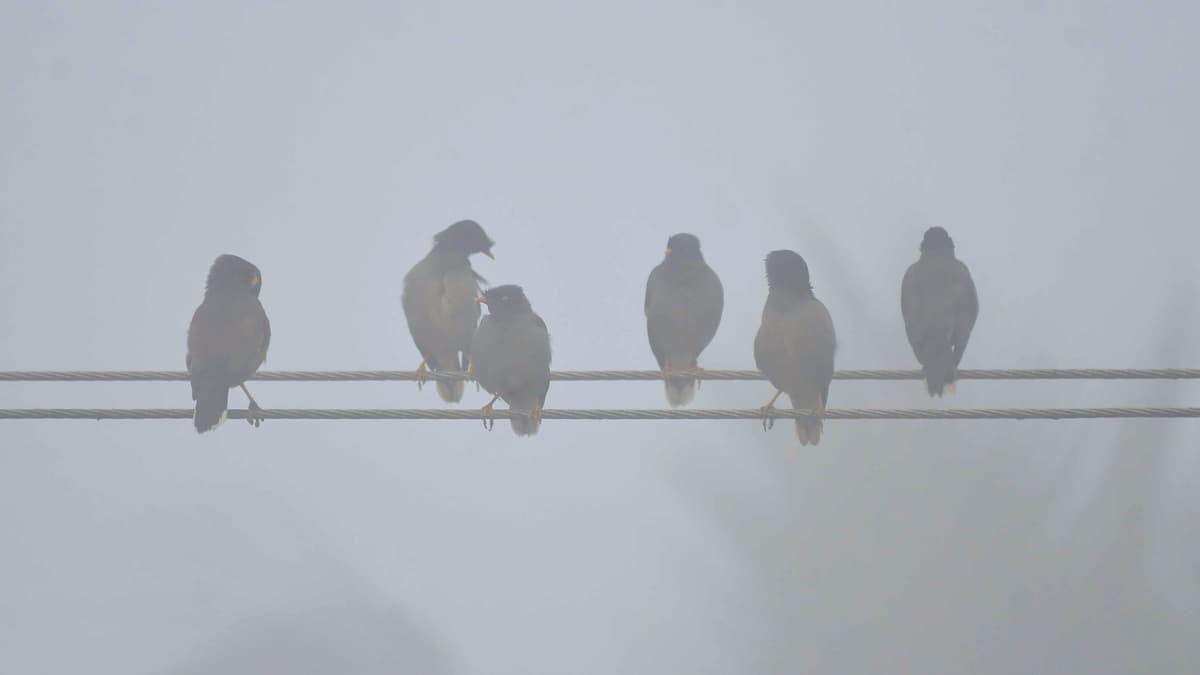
326 143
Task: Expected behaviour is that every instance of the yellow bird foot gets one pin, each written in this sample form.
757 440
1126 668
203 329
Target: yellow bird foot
487 414
768 420
422 375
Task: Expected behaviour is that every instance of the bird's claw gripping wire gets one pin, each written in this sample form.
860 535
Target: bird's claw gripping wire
768 420
486 414
254 414
422 375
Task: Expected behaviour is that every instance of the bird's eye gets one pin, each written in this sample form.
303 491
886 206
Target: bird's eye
255 281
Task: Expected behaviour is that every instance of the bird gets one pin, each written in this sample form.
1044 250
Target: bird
939 305
684 299
439 303
227 340
795 344
511 357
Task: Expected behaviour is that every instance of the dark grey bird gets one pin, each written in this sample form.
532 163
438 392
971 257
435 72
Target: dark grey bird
684 299
795 344
439 303
939 304
227 340
511 357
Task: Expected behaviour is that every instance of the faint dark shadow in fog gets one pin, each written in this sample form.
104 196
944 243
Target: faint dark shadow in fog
929 552
330 632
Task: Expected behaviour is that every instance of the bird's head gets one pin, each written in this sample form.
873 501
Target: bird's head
232 274
787 271
505 300
683 246
937 240
466 237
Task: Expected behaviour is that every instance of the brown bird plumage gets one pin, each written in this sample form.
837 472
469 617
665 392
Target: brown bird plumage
227 340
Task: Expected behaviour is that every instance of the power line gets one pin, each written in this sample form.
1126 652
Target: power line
609 414
600 375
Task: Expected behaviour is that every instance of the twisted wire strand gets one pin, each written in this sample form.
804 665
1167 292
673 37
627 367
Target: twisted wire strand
602 375
611 414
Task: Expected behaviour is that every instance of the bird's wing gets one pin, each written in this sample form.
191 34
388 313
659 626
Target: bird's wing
707 308
541 357
657 318
966 310
910 307
441 312
227 340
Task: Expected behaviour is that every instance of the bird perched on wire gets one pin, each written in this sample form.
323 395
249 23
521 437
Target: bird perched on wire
939 304
795 344
227 340
511 357
439 303
684 299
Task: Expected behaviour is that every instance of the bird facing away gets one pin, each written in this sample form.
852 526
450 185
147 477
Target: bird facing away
684 299
511 353
227 340
439 303
795 344
938 301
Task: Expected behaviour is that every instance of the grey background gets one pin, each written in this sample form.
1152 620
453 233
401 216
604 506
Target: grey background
327 143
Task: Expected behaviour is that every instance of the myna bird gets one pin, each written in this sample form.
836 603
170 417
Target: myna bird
511 353
795 344
938 301
227 340
684 299
439 302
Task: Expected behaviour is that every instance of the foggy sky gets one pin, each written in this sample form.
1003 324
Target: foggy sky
1057 142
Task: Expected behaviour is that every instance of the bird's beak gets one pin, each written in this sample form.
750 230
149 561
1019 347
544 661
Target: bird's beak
668 252
481 300
488 253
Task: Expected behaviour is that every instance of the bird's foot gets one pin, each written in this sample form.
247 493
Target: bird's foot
768 420
951 387
536 415
487 414
254 414
422 375
697 373
471 375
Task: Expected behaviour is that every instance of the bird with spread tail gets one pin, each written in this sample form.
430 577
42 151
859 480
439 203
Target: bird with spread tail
684 300
511 357
939 305
439 303
227 341
795 344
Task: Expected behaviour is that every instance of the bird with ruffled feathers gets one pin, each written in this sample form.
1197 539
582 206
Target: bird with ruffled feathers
439 303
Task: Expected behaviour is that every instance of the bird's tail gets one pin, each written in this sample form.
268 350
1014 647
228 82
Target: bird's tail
451 391
681 390
808 429
940 374
523 424
212 405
